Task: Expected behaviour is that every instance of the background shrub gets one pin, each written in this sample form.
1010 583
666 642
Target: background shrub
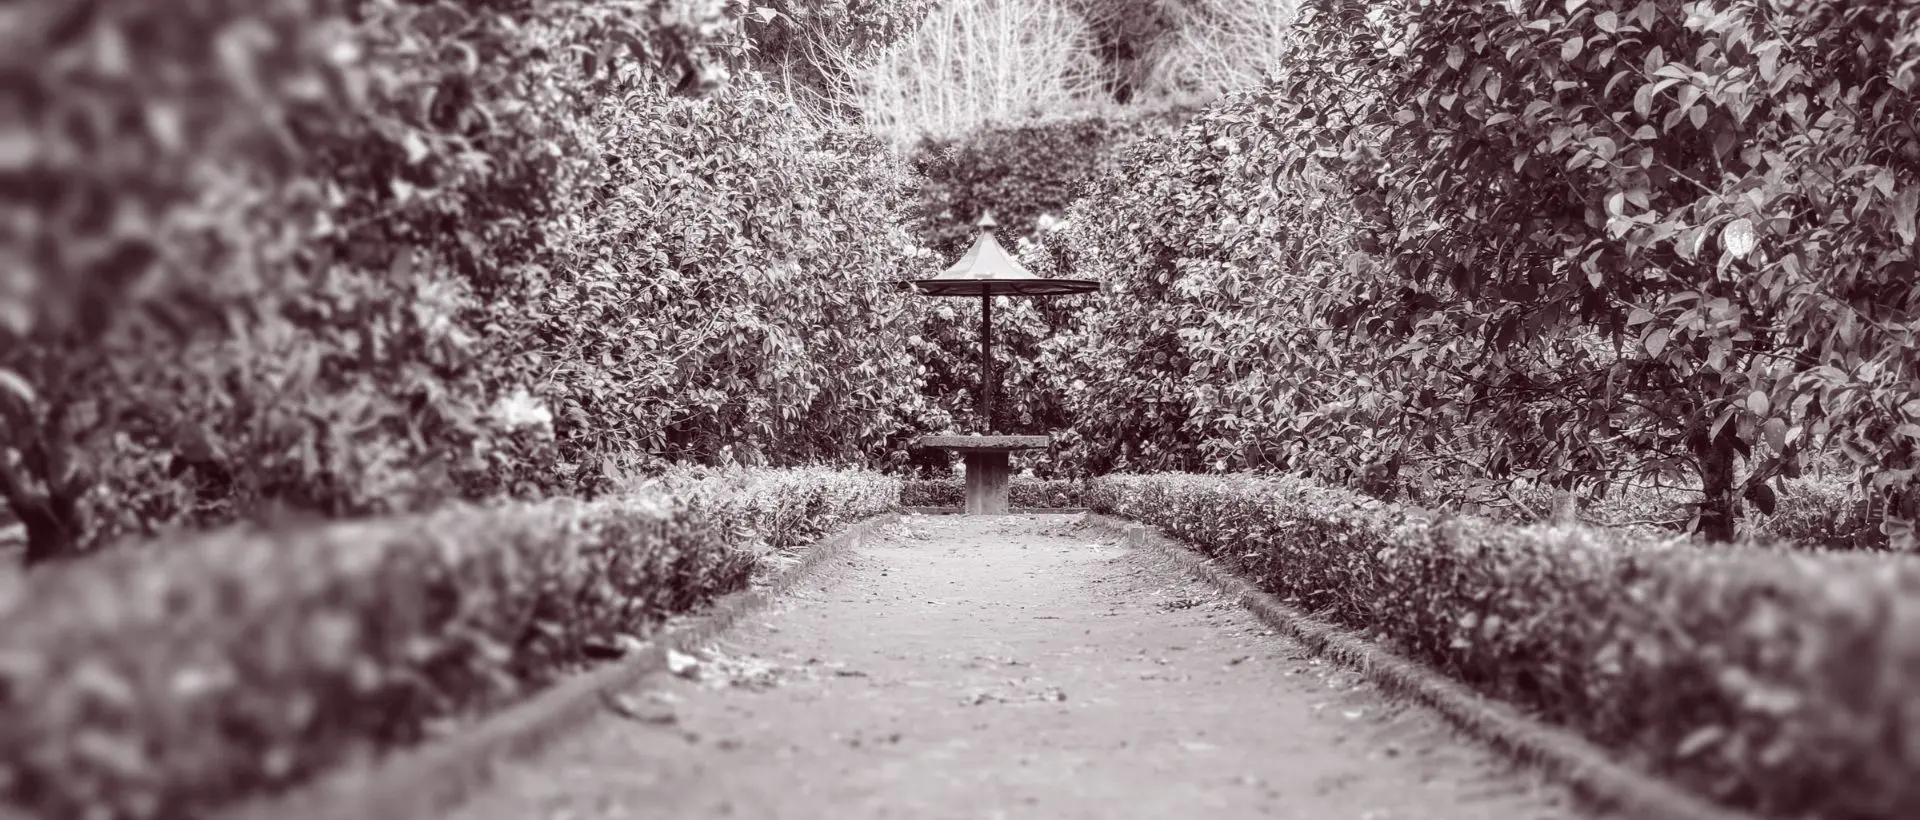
1021 492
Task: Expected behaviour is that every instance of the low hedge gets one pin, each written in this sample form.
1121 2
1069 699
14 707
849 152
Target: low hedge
1775 680
164 682
1049 494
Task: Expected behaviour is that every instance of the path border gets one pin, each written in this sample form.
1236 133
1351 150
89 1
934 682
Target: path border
1606 784
425 781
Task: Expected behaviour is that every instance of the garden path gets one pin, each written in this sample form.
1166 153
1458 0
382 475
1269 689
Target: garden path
1011 667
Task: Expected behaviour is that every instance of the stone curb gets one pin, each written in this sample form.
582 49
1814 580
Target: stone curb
430 779
1593 773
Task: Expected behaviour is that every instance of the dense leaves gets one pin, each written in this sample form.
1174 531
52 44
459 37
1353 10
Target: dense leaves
1026 176
168 681
1768 678
1595 244
728 296
1021 492
304 256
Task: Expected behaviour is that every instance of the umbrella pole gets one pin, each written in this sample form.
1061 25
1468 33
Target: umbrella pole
986 363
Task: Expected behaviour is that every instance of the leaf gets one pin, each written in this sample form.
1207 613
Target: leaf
1905 211
1604 147
1656 342
1698 740
1762 497
1738 238
1776 432
13 383
1571 48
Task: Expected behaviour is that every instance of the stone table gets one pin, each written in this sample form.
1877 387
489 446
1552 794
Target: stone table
987 465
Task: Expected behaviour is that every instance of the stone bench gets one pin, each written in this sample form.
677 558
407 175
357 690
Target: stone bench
987 465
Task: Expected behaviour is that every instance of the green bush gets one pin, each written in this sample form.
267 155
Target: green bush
1771 679
1020 172
726 294
1027 175
365 258
1572 244
1021 492
164 682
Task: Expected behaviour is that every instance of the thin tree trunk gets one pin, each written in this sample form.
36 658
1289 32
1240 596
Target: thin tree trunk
1720 507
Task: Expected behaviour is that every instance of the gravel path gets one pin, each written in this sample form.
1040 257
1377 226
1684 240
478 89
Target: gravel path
1011 667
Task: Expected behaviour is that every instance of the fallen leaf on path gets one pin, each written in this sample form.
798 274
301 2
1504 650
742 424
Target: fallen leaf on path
651 711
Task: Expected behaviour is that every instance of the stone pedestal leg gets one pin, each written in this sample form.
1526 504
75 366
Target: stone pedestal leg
987 483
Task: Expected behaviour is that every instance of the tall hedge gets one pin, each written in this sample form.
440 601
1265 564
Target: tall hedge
1455 247
316 256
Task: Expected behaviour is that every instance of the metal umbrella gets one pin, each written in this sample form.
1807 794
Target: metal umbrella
986 270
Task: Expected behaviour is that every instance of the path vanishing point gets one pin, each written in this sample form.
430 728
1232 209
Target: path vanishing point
1011 667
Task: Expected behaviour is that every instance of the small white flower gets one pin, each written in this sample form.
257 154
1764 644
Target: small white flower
521 410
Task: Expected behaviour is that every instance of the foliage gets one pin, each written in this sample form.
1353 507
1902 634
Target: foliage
1025 175
1584 244
1746 672
772 510
329 240
809 49
256 659
1188 358
1021 492
728 294
1021 172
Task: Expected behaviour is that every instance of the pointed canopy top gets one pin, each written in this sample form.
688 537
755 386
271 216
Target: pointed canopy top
988 270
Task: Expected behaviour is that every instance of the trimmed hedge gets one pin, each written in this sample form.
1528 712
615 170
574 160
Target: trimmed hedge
1774 680
1048 494
168 681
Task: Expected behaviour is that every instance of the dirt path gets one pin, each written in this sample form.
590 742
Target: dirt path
1012 667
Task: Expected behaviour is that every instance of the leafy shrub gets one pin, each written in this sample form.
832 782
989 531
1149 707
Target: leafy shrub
1771 679
303 257
1194 357
1629 272
780 509
1019 171
728 294
1026 175
163 682
1021 492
